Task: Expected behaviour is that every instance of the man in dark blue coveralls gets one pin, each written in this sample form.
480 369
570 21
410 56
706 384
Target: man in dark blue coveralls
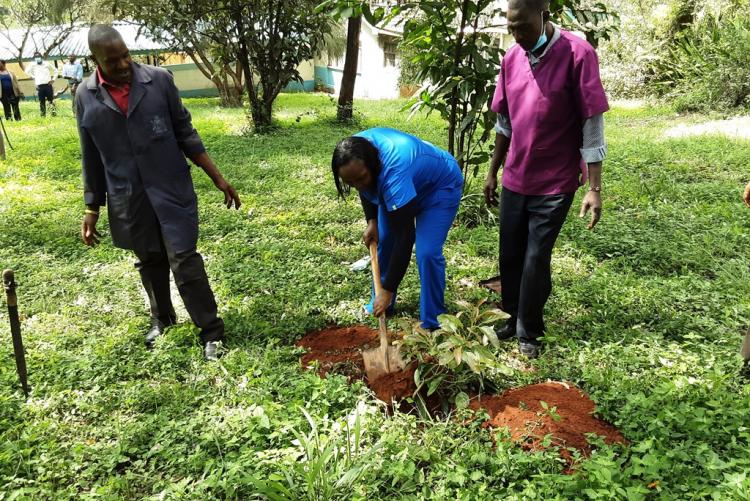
135 134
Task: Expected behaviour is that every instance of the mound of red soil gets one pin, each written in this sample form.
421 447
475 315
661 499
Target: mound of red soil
567 418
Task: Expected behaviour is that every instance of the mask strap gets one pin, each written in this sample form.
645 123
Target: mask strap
543 25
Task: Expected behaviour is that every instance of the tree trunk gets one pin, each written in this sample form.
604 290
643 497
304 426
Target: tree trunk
261 110
453 104
346 95
257 108
229 94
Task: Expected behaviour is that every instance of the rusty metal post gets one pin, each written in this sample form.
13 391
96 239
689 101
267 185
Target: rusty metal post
2 140
15 329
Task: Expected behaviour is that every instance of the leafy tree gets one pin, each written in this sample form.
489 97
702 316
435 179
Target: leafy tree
263 42
590 17
459 62
174 24
45 24
273 38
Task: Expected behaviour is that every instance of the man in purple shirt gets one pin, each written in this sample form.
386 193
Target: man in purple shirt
550 137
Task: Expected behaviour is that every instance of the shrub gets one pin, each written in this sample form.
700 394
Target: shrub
708 66
458 356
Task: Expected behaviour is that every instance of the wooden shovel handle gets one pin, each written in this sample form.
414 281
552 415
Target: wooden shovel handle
375 268
384 338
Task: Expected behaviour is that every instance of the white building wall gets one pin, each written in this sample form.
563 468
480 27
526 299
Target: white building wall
377 81
374 79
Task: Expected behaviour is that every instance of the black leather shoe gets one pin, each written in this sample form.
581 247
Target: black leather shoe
156 330
212 351
506 332
529 350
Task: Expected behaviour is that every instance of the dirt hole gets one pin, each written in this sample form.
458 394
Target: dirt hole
338 350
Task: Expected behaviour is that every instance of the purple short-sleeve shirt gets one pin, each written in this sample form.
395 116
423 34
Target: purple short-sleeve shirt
547 107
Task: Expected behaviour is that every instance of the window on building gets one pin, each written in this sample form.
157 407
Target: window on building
390 50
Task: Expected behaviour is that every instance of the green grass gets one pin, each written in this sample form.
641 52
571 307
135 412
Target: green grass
646 316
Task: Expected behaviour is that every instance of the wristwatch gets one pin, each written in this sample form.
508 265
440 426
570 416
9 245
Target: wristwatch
597 189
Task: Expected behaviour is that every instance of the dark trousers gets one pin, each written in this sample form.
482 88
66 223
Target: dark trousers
11 103
192 282
529 226
74 84
45 93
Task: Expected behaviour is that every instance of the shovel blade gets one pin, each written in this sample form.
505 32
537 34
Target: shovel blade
379 362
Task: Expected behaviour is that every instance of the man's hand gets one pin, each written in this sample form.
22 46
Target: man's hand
89 235
371 233
230 194
592 201
490 189
746 195
382 302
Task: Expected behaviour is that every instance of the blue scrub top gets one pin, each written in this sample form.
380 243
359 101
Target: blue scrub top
410 169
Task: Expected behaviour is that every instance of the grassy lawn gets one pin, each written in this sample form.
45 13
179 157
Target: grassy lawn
646 316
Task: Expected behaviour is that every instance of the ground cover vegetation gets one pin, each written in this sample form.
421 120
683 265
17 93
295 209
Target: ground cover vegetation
646 317
691 52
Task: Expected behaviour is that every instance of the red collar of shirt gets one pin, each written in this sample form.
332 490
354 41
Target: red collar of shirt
120 93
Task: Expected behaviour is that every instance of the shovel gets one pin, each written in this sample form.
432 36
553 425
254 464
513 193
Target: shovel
386 358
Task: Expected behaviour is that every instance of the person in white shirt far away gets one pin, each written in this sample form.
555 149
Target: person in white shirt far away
43 74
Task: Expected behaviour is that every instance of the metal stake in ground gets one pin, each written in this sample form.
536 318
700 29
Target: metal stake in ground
2 141
2 144
15 328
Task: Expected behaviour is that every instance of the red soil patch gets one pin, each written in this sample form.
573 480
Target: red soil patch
395 386
567 419
520 411
338 350
340 339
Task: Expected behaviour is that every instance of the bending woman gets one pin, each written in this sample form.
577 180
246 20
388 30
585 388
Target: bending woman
410 191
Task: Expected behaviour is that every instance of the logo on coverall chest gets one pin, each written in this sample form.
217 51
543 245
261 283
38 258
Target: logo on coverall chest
158 126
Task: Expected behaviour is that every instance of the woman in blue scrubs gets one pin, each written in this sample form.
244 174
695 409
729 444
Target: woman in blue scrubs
410 191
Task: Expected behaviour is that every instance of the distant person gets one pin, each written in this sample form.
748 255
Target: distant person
73 73
550 104
44 75
410 191
10 94
135 134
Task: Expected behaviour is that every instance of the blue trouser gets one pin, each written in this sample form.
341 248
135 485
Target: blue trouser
435 218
